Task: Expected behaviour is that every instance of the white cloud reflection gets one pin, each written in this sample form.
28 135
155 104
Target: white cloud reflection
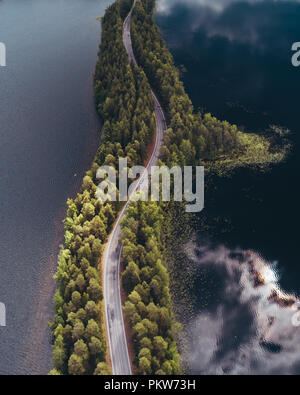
164 6
244 331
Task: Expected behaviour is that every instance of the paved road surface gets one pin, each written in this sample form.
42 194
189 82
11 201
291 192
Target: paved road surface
112 296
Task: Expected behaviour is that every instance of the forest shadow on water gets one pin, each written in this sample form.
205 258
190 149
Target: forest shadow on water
235 61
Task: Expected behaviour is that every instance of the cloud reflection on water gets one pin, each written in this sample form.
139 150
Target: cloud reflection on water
243 21
242 330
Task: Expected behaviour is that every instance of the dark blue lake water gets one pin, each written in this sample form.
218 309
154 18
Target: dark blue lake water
49 133
235 58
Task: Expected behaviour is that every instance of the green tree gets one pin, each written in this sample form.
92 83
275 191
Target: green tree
92 330
78 330
144 366
76 366
59 354
97 347
94 290
101 369
130 277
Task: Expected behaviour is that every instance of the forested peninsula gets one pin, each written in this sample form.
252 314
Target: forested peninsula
126 108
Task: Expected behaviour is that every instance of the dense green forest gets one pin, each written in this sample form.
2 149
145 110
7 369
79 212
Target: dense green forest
125 105
146 282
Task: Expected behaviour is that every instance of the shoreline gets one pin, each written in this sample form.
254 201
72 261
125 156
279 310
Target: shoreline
43 312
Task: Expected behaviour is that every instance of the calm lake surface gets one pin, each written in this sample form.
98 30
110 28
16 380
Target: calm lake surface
49 133
236 63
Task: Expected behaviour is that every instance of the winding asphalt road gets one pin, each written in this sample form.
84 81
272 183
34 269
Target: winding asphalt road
112 295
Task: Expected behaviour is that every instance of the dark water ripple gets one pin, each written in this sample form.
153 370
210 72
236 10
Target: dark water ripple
49 132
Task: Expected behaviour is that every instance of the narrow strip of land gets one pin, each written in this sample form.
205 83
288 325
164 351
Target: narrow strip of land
112 295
